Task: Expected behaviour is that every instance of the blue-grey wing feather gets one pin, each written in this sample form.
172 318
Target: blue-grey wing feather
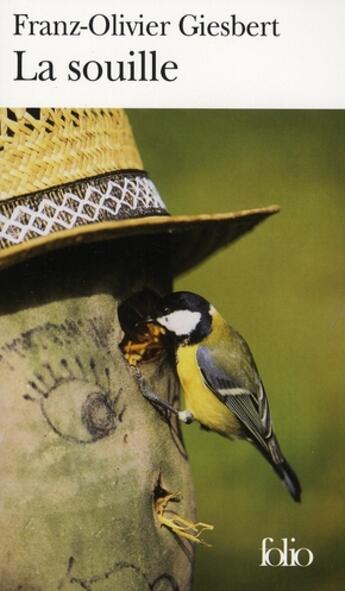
241 390
248 405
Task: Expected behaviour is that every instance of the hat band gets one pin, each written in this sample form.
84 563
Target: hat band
116 195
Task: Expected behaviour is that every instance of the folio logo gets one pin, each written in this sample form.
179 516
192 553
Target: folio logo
286 555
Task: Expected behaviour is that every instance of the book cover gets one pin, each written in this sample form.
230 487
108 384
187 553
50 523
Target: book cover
145 149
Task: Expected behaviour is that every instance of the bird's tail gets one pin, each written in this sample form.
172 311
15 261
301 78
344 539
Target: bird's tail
273 454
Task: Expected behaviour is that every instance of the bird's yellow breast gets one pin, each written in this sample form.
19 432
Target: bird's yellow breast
200 400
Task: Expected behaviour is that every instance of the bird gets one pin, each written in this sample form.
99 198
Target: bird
222 386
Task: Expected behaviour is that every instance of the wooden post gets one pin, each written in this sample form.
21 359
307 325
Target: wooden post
82 452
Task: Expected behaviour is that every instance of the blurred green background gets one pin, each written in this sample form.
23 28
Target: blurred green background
282 287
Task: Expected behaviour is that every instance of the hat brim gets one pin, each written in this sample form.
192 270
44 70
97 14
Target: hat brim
194 237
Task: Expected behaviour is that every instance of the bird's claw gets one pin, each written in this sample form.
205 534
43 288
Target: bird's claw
186 416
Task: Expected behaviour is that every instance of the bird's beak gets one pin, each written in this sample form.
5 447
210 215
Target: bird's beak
147 320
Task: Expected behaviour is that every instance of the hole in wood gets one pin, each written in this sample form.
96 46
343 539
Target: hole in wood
169 518
142 342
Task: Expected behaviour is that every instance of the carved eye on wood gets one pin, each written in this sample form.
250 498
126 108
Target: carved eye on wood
79 408
78 412
98 415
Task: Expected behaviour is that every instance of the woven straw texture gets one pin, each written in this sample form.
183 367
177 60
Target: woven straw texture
41 148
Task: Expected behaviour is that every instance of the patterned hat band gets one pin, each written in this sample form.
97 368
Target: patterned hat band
116 195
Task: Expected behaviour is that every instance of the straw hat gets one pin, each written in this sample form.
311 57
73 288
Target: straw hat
75 175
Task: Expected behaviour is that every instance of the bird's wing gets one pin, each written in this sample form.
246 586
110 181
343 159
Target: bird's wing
249 404
250 407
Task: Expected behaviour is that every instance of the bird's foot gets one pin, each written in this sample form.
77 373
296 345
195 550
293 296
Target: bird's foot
185 416
151 396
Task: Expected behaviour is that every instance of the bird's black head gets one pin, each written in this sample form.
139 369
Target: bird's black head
187 316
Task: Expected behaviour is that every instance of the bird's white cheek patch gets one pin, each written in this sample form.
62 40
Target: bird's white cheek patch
181 322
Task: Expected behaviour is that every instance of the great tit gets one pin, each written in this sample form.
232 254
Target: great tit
222 386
